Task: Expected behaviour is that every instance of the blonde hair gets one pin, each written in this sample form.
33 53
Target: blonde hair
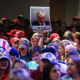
56 40
64 43
35 35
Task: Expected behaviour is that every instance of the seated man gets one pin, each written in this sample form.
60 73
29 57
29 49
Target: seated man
41 16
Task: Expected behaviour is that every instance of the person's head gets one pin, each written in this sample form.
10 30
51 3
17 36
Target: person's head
56 41
15 41
63 27
51 72
19 63
74 29
62 46
6 23
76 37
35 39
73 66
54 36
42 63
46 58
69 48
5 63
36 53
68 35
70 53
19 74
58 23
23 46
41 15
61 49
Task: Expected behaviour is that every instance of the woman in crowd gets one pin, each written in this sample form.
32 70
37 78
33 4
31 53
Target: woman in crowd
62 46
73 68
62 30
51 72
37 74
37 39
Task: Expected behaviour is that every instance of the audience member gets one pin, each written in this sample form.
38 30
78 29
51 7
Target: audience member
24 49
73 69
36 55
15 43
51 72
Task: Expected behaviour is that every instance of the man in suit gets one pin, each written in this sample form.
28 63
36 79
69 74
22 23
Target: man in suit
41 16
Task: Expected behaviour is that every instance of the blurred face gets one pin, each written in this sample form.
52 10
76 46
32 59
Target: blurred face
20 65
4 64
15 45
24 51
22 23
36 57
61 50
35 41
71 70
74 30
6 23
41 18
55 73
63 27
76 40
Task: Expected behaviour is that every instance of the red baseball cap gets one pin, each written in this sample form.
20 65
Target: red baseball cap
54 36
19 33
12 32
14 39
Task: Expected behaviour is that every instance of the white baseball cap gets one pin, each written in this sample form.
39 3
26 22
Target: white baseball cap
48 55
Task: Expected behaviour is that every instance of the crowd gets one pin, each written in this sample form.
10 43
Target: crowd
25 55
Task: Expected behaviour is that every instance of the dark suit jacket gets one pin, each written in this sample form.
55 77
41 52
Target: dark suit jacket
36 23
